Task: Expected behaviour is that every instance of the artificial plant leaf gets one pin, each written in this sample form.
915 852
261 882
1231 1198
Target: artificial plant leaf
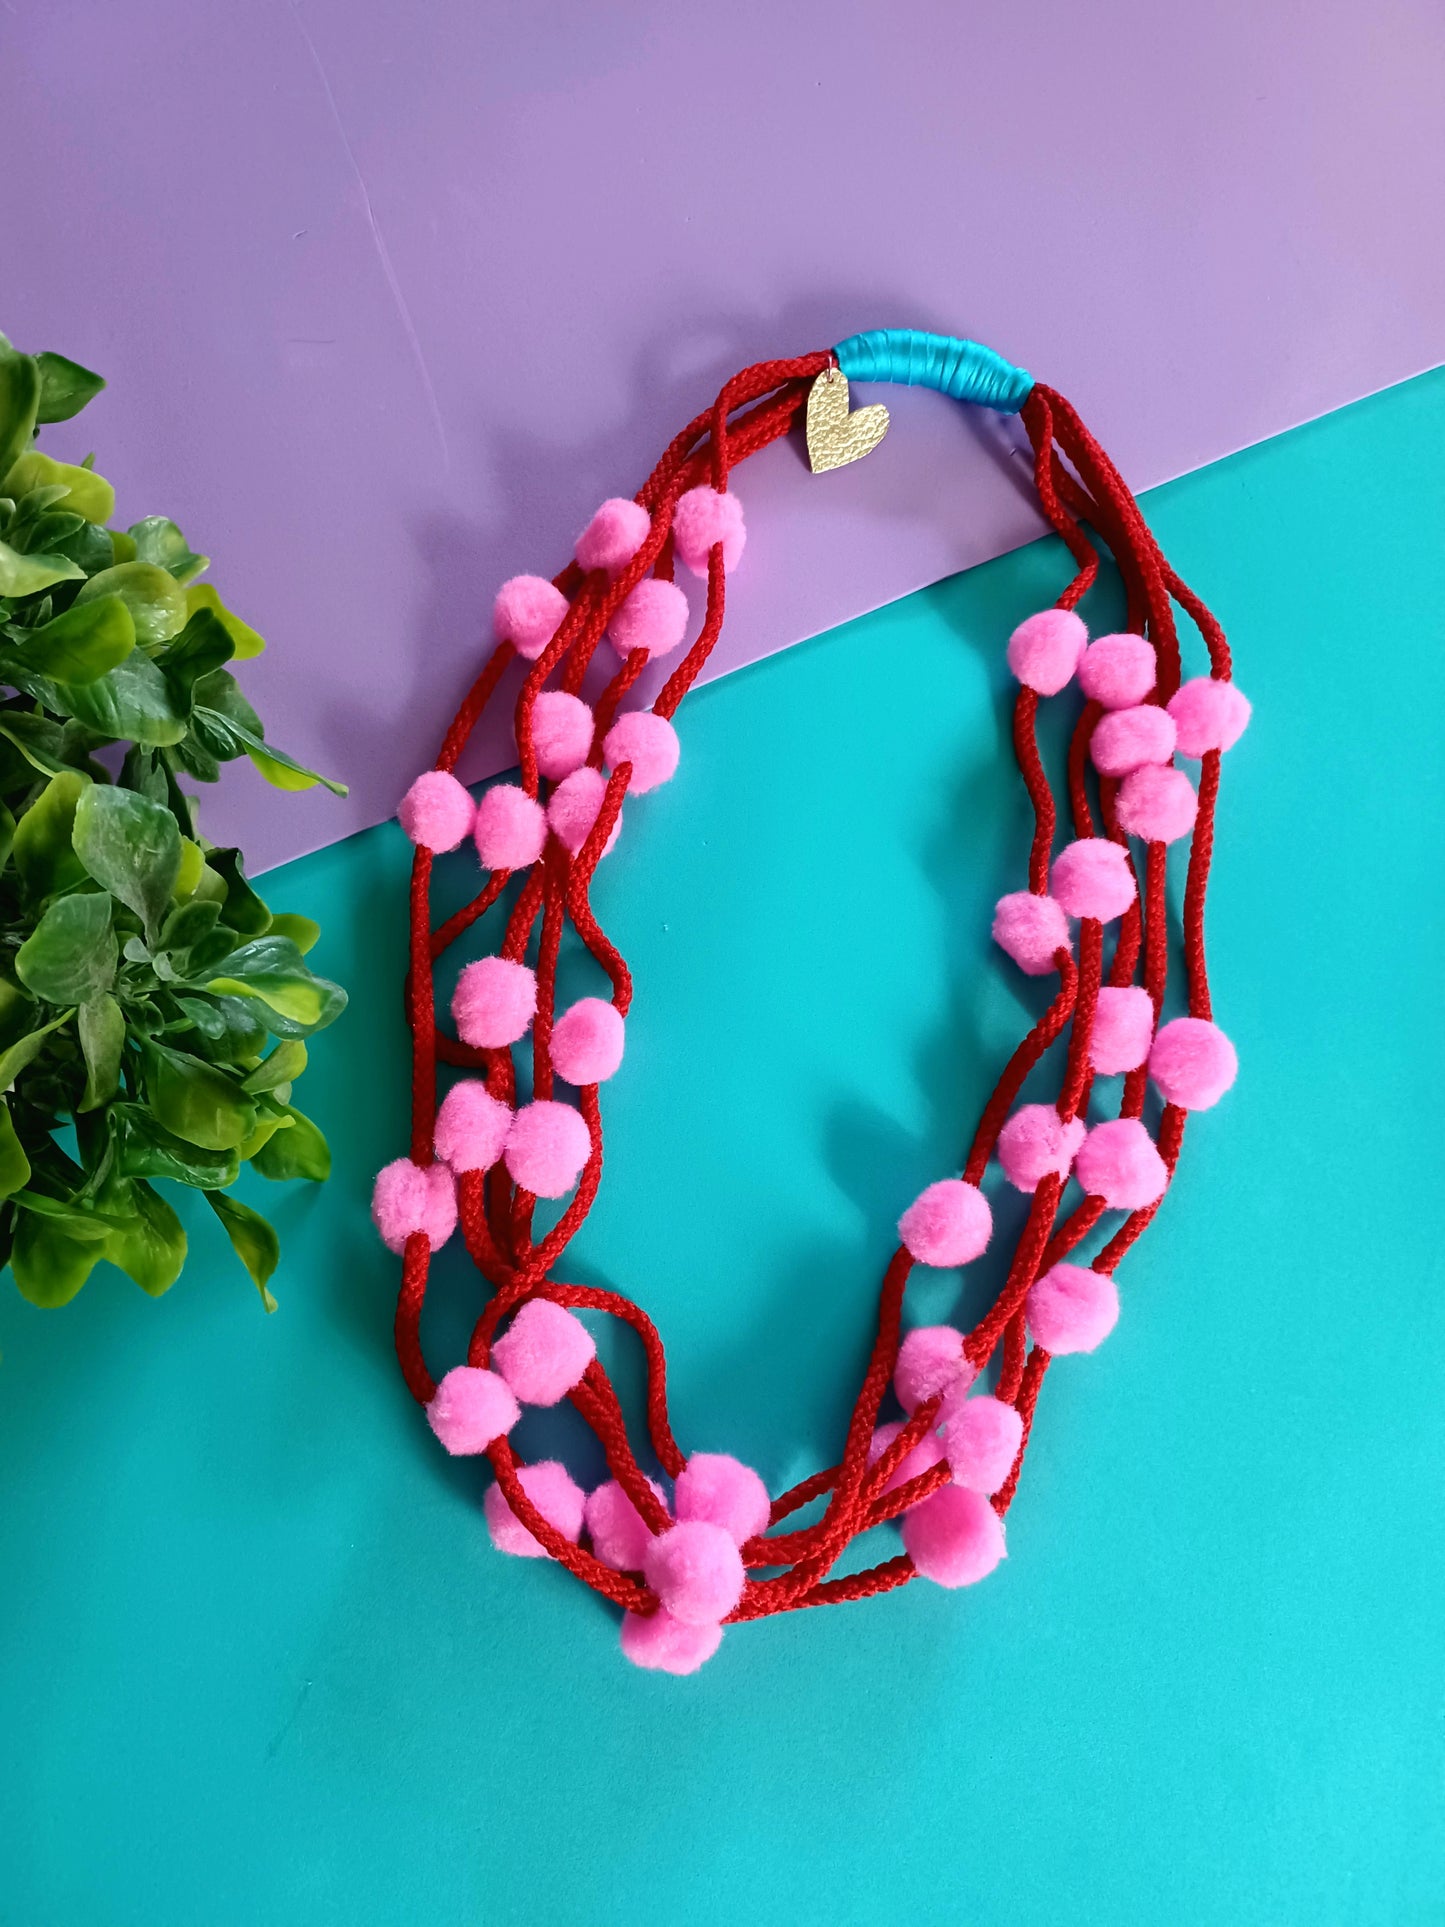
70 956
131 847
49 1265
7 834
237 1031
201 647
85 492
65 387
92 548
195 1101
246 642
189 873
131 702
89 639
283 1066
156 601
255 1243
268 1122
301 1152
22 1052
273 971
23 575
187 922
220 728
147 1150
20 385
150 1245
243 909
302 931
102 1034
158 540
14 1165
38 739
44 856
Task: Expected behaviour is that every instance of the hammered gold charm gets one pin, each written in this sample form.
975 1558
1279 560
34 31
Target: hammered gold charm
836 437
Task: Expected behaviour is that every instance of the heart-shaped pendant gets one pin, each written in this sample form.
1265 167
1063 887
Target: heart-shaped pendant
836 437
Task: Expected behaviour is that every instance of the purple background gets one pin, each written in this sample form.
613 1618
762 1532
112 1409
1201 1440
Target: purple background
390 296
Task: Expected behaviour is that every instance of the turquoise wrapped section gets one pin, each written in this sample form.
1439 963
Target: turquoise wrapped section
964 369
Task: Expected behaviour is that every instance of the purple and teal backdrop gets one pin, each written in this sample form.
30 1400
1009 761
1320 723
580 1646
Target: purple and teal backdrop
390 296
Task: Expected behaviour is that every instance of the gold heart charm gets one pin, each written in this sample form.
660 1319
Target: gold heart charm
836 437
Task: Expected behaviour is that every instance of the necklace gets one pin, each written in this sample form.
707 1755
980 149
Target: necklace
710 1553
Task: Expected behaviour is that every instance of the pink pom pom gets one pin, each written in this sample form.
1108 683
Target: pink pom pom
1208 715
696 1571
586 1042
1156 804
527 613
561 733
471 1127
574 807
922 1458
494 1002
1192 1063
1118 670
437 811
1036 1143
1118 1162
547 1148
1094 878
954 1537
982 1441
653 618
930 1360
411 1197
646 741
470 1408
613 536
1126 739
556 1495
617 1529
1072 1309
1044 651
704 517
510 829
1031 929
724 1492
543 1352
948 1224
665 1645
1123 1028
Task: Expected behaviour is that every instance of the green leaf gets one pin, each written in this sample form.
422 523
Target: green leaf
201 647
273 971
22 575
237 1032
22 1052
302 931
244 910
14 1165
44 856
150 1246
158 540
7 834
130 703
189 874
50 1266
85 492
147 1150
268 1123
36 737
202 595
65 387
301 1152
89 639
255 1243
281 771
283 1066
156 601
70 956
102 1034
195 1101
131 847
20 386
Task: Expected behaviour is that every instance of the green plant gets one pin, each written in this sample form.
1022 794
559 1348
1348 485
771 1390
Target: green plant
153 1010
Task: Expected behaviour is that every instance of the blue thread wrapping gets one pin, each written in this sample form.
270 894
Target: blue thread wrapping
966 370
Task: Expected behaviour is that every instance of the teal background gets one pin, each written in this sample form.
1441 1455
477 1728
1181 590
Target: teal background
260 1664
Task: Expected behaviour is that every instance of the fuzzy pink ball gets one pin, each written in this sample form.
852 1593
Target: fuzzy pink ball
561 733
1158 805
411 1197
1031 929
1072 1309
613 536
1118 670
437 811
1123 1028
704 517
653 618
982 1442
471 1127
527 613
1036 1143
1208 715
510 829
470 1408
930 1360
556 1495
543 1352
948 1224
586 1042
494 1002
574 807
924 1456
724 1492
1044 651
1119 1163
547 1148
646 741
696 1571
1127 739
617 1529
954 1537
1192 1063
1093 878
665 1645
